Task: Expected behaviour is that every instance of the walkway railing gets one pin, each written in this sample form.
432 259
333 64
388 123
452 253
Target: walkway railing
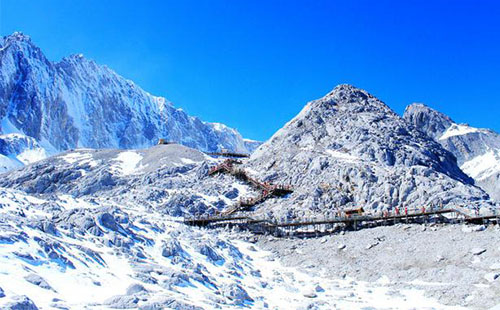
322 224
266 189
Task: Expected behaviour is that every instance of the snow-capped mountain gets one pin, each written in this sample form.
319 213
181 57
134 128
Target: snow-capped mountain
350 149
77 103
477 150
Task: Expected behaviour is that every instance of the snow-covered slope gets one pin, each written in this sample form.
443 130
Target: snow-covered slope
77 103
17 150
59 252
100 229
477 150
350 149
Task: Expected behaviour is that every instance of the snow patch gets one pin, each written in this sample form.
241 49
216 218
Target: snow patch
483 166
81 158
458 130
188 161
128 163
342 155
31 156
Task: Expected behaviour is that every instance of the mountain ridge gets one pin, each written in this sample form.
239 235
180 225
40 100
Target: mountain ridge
76 103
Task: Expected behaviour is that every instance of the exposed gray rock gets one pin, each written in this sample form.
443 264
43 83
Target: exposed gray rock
429 121
107 220
211 255
310 294
171 248
477 150
492 276
349 149
478 251
38 281
168 303
136 289
122 302
236 294
173 176
20 303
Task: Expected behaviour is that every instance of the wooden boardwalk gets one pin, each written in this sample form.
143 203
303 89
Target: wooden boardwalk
266 190
226 218
228 154
326 225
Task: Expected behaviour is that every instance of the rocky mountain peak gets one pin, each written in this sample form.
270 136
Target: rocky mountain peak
17 37
350 99
477 150
427 120
347 92
346 113
349 148
20 42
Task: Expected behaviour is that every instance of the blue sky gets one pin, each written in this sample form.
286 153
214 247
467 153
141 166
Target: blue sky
254 64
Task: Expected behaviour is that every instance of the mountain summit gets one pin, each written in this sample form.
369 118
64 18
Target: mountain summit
77 103
350 149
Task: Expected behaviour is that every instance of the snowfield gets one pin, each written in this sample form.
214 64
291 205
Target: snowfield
135 258
17 150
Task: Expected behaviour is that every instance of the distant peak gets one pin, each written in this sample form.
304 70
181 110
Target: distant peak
18 36
77 57
427 120
419 105
419 108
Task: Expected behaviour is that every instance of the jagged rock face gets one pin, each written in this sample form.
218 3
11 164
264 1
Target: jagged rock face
477 150
432 122
350 149
77 103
